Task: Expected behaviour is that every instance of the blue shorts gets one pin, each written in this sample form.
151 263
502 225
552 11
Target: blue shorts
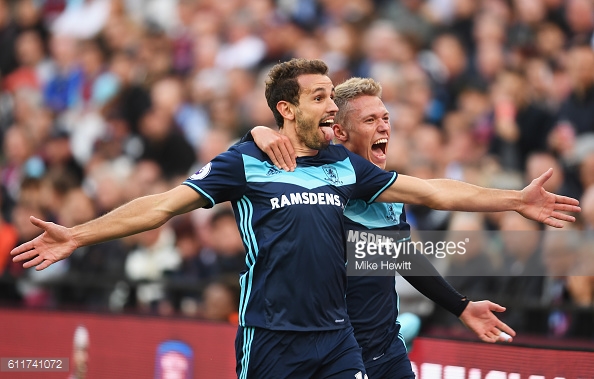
393 364
263 353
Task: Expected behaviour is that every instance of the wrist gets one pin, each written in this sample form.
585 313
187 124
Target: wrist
464 302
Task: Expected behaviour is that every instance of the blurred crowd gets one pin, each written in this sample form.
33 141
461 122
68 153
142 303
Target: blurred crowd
102 101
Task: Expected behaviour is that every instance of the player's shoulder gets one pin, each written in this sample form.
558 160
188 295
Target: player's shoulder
338 151
248 148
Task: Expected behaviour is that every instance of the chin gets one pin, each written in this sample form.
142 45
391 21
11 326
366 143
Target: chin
381 164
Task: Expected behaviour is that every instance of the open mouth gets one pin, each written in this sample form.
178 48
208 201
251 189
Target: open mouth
327 123
379 147
326 128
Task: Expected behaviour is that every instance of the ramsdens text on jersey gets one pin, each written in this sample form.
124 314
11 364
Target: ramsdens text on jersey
311 198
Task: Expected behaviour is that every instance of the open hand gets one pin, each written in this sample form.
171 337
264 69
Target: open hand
479 317
540 205
54 244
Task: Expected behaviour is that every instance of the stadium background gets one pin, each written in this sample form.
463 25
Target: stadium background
102 101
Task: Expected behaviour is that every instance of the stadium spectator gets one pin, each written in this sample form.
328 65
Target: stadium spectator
142 39
34 69
581 284
588 206
95 269
474 272
224 253
22 160
522 272
8 34
168 96
154 256
184 283
221 300
520 126
165 145
8 239
577 109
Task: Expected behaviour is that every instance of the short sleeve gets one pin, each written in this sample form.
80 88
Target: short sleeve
371 180
222 179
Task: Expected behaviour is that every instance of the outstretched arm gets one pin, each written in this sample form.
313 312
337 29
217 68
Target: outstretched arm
532 202
476 316
145 213
479 317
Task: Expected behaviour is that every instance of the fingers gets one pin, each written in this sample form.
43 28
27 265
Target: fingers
552 222
562 216
33 262
274 153
21 249
504 337
506 329
567 208
486 336
543 178
282 155
499 335
35 221
44 265
568 200
290 157
287 156
24 256
496 307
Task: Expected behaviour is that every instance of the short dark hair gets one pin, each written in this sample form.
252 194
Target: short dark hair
282 85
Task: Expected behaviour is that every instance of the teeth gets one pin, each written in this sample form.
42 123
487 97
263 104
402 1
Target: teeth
383 140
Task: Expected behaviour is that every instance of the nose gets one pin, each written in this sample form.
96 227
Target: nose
383 126
332 107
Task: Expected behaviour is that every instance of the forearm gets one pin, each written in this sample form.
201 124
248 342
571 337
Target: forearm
134 217
460 196
453 195
139 215
427 280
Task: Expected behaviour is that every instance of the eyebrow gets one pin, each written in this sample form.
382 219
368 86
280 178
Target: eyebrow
320 89
374 115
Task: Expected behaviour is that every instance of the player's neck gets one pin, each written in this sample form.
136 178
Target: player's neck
301 150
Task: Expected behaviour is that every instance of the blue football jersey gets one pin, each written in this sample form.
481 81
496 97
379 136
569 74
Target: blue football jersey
372 301
292 229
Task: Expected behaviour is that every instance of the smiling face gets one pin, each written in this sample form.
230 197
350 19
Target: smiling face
366 129
314 116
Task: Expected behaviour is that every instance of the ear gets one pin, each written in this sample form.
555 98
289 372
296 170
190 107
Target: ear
286 109
340 133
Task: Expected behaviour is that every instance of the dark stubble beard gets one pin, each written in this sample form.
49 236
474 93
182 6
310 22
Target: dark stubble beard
308 132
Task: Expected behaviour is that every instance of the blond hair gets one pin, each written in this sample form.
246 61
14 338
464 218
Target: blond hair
350 90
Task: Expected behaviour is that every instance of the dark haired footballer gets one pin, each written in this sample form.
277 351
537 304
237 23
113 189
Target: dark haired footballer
293 318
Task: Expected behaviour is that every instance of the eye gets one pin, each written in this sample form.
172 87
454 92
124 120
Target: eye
318 98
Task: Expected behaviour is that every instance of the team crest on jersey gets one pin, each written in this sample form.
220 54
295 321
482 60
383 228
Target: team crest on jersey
391 214
202 173
273 171
331 175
